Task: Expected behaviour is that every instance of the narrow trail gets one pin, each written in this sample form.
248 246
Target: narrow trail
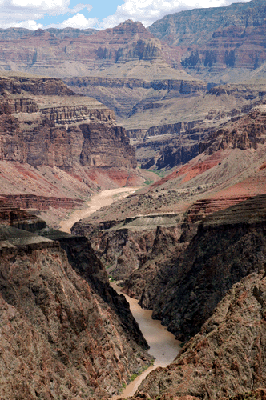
163 346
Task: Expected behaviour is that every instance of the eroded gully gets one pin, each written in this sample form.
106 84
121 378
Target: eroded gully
163 346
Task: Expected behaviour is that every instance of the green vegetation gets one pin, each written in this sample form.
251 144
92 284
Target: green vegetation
148 182
134 376
161 172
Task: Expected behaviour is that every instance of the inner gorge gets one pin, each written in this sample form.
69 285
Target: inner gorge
162 344
133 204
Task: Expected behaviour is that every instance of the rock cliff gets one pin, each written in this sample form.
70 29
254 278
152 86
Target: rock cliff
66 333
61 53
57 145
140 90
162 142
124 245
213 42
226 359
60 135
207 271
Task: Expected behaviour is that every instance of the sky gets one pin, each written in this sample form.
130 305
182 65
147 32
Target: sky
97 14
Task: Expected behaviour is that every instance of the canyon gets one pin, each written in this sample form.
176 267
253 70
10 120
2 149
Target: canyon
65 332
145 165
181 247
57 148
168 67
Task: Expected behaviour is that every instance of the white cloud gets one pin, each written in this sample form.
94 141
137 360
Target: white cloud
30 24
148 11
44 4
25 13
78 21
80 7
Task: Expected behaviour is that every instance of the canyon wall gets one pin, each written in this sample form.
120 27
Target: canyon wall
61 135
226 359
66 332
57 148
213 42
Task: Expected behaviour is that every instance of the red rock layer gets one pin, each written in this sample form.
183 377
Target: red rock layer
27 201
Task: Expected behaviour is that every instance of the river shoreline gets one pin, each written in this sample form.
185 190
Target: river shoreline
163 346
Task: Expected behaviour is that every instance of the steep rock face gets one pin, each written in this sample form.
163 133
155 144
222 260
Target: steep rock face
217 38
35 86
197 26
123 246
226 359
74 338
64 135
14 216
68 331
56 53
158 267
30 201
168 144
55 145
245 133
220 254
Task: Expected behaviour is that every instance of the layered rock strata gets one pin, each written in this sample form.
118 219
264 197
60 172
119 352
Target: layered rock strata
56 148
59 53
213 42
83 135
30 201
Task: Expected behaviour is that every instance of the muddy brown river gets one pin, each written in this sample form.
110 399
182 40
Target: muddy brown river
163 346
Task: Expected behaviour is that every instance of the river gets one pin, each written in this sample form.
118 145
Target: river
163 346
104 198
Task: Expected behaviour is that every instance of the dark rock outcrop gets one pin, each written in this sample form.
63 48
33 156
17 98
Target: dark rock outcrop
229 245
226 359
64 334
123 246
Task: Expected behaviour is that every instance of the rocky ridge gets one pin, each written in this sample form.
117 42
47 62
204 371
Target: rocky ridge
226 359
58 145
207 272
66 332
125 93
171 208
58 54
221 43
